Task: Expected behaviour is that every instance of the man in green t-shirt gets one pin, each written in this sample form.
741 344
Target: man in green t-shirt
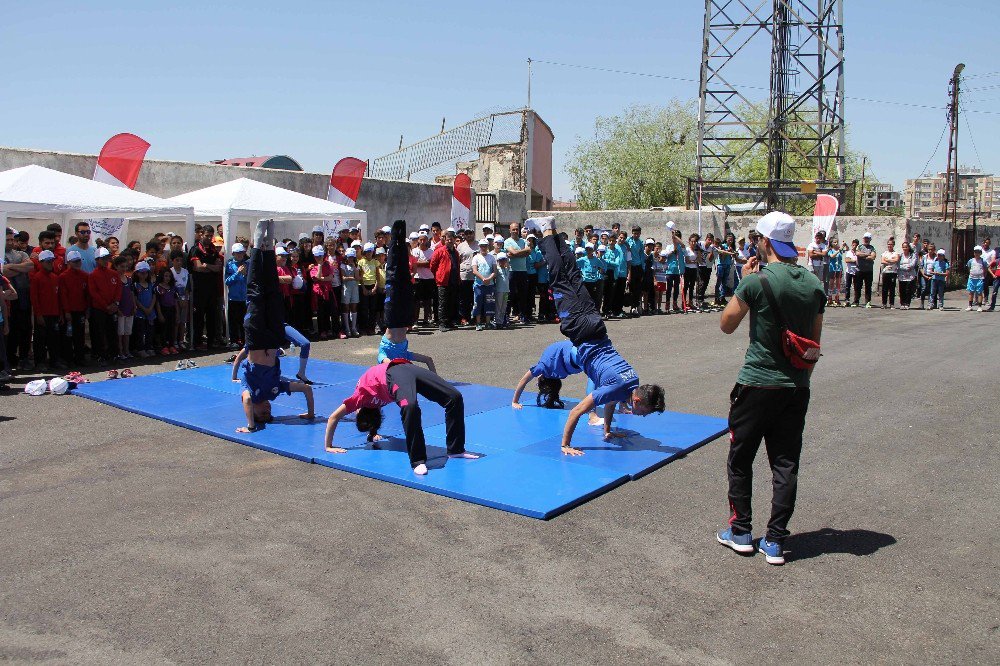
771 397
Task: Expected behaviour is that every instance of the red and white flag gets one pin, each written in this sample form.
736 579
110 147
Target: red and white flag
461 201
824 214
345 181
118 164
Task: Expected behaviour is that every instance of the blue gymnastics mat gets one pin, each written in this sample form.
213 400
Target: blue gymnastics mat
522 469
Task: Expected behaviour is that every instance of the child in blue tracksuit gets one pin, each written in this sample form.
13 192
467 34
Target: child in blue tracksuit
503 290
939 273
236 283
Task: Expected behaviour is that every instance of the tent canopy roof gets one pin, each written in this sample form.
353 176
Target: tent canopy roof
244 197
35 191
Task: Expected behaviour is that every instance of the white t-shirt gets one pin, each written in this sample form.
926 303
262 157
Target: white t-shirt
690 258
816 247
850 267
423 272
976 269
989 255
893 259
181 282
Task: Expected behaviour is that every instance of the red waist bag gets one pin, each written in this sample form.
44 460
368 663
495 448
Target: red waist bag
801 352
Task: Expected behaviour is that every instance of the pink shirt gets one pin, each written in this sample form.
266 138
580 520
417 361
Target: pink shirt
373 389
321 289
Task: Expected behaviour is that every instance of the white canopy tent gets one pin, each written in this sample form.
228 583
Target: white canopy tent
37 192
246 199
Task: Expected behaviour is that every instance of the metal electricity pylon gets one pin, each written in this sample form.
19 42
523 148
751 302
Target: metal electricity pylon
951 172
795 125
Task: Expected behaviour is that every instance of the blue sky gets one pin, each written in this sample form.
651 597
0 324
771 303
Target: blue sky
323 80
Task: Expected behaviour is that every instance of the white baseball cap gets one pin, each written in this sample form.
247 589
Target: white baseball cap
941 252
498 239
141 266
101 253
73 255
425 227
46 255
483 241
451 230
533 236
281 251
664 253
414 235
670 224
386 230
356 243
317 230
423 234
868 234
502 255
58 386
318 251
368 247
580 250
650 241
978 248
380 250
350 252
355 228
779 229
589 246
602 248
238 247
36 387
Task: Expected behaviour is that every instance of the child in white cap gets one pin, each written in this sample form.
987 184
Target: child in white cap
977 273
503 289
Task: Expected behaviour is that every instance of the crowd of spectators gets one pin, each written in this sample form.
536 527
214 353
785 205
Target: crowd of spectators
96 302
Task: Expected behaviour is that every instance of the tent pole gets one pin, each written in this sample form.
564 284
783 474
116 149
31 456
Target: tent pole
227 233
3 243
189 240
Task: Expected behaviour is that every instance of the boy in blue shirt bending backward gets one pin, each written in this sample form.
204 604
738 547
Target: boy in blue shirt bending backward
613 378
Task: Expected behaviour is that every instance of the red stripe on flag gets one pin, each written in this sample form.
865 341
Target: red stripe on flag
463 190
347 175
122 157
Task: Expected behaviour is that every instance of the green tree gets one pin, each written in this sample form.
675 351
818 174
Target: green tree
643 157
639 159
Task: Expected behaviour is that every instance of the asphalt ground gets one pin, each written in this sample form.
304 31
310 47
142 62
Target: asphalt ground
127 540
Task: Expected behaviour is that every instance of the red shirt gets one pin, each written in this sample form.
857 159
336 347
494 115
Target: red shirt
105 287
73 290
286 289
45 293
372 389
58 264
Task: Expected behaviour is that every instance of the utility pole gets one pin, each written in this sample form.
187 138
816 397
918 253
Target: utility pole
975 209
951 173
861 199
529 83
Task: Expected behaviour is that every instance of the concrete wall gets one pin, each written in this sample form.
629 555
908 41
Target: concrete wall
936 231
384 200
510 206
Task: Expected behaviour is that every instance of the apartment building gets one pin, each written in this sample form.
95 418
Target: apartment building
924 197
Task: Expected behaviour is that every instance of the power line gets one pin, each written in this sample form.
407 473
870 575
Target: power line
973 141
984 74
928 163
689 80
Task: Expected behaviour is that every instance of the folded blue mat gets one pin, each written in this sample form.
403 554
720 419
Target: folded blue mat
522 469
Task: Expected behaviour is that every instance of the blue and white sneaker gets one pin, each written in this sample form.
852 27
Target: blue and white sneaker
773 551
741 543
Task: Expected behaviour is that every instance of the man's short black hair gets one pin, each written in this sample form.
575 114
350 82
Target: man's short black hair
369 419
10 232
176 253
22 236
81 223
639 229
56 227
153 245
46 235
435 225
652 396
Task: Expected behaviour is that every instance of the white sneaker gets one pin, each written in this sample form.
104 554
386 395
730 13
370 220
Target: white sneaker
968 309
979 309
